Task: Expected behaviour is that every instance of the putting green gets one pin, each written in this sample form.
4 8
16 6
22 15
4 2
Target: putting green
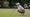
13 13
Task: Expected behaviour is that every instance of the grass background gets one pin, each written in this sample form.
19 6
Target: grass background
13 13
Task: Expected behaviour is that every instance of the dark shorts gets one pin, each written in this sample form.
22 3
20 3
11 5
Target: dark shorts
22 11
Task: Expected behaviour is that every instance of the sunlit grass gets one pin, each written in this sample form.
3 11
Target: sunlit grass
13 13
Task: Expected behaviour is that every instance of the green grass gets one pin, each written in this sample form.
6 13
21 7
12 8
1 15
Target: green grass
13 13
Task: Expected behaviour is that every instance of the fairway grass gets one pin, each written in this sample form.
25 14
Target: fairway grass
13 13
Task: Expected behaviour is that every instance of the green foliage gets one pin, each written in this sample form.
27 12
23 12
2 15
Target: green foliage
26 3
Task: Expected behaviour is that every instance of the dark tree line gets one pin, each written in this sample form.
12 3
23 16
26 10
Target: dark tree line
14 1
20 1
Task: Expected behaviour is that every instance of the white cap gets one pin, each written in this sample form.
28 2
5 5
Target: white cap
17 3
